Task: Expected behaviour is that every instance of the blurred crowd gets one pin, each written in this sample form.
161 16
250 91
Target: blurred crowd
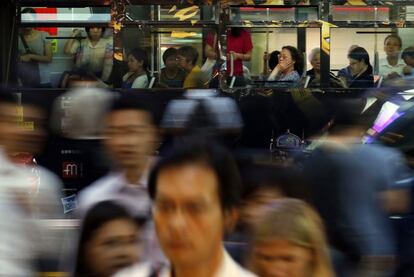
196 205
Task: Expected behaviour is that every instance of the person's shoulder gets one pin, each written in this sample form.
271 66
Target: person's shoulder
137 270
96 190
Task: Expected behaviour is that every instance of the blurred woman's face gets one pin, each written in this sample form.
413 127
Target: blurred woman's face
113 246
281 258
256 203
285 57
171 62
133 64
95 33
356 66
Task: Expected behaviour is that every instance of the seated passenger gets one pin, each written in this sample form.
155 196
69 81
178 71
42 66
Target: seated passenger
137 76
408 57
187 60
392 66
345 74
315 73
95 52
172 76
289 240
361 69
289 68
34 48
269 63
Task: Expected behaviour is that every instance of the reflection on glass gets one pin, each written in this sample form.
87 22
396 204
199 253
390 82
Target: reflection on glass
276 14
358 13
101 14
171 12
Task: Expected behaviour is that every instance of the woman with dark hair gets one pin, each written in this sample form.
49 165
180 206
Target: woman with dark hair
269 62
137 76
289 68
34 48
95 51
361 69
109 241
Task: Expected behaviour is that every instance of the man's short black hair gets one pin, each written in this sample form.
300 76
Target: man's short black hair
210 154
170 52
132 101
190 54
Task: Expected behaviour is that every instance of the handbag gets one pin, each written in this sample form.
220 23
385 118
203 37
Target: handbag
28 72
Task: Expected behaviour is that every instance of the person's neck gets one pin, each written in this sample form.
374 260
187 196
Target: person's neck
94 41
317 74
139 72
206 268
28 31
171 72
288 70
392 60
189 68
133 174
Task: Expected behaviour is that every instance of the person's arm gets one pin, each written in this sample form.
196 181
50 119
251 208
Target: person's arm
241 56
209 52
69 44
48 55
108 62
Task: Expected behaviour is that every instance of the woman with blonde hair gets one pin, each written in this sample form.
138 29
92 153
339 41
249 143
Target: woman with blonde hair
289 240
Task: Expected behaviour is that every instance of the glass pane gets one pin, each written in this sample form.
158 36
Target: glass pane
171 12
276 14
87 14
379 46
360 13
268 40
69 50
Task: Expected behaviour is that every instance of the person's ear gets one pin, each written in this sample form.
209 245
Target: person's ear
231 216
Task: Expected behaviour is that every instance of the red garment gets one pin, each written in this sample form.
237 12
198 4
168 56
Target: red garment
210 39
241 44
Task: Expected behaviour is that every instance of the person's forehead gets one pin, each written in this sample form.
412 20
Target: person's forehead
187 182
129 116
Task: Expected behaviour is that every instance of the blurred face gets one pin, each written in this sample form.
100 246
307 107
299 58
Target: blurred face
356 66
286 57
130 137
133 64
8 127
256 204
95 33
187 214
281 258
316 62
16 137
409 60
171 62
183 63
113 246
392 47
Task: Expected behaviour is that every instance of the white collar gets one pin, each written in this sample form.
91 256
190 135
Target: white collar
227 268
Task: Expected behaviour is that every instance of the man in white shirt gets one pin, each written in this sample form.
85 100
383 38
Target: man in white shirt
195 190
392 66
131 137
29 194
